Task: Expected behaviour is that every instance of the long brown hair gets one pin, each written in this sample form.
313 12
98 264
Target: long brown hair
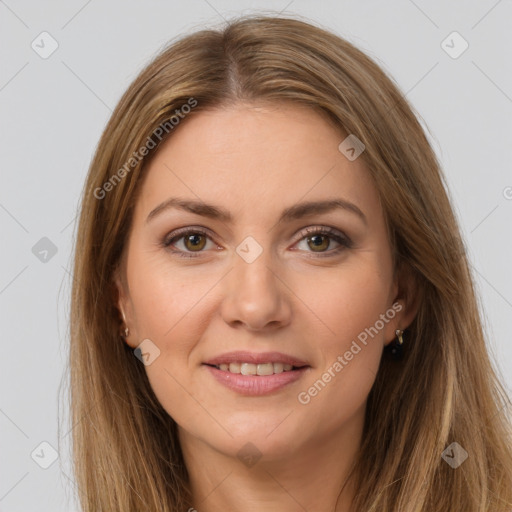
125 448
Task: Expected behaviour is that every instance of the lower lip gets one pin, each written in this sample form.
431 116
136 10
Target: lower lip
256 384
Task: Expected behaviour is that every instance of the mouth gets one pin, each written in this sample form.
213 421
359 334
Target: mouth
256 374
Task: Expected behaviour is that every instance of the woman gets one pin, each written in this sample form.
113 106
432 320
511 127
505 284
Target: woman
272 306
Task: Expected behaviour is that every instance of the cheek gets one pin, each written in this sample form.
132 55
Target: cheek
172 308
348 306
345 302
170 311
166 299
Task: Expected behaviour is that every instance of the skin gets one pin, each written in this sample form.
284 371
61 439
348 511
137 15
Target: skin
254 160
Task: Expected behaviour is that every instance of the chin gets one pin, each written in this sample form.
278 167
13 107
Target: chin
267 438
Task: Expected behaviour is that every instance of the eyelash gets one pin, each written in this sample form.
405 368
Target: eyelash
344 241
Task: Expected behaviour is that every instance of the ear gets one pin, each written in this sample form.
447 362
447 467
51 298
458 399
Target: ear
407 299
124 306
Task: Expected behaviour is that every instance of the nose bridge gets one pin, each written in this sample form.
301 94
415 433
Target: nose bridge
254 270
254 296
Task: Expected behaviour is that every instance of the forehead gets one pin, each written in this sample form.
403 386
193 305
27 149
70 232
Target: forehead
252 157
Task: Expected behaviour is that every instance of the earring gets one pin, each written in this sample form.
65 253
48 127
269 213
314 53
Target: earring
126 330
396 347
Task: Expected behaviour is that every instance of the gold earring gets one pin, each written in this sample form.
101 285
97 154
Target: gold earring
395 348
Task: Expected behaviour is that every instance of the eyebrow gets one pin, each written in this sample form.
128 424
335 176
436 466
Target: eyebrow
294 212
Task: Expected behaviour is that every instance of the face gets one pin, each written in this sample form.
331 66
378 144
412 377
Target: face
229 267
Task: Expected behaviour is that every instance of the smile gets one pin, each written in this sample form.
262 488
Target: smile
255 369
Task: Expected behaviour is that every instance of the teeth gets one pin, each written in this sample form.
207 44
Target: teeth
234 367
278 367
248 369
255 369
265 369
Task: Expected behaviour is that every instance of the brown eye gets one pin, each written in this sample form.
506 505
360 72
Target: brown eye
323 241
194 242
318 243
188 242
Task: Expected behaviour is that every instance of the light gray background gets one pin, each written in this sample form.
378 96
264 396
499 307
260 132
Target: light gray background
53 111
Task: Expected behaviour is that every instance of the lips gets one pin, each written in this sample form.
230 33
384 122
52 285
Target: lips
254 385
251 373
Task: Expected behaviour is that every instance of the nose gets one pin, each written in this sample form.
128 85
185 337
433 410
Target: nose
256 296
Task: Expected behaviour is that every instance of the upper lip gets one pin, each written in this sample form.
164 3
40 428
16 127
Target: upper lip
255 358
